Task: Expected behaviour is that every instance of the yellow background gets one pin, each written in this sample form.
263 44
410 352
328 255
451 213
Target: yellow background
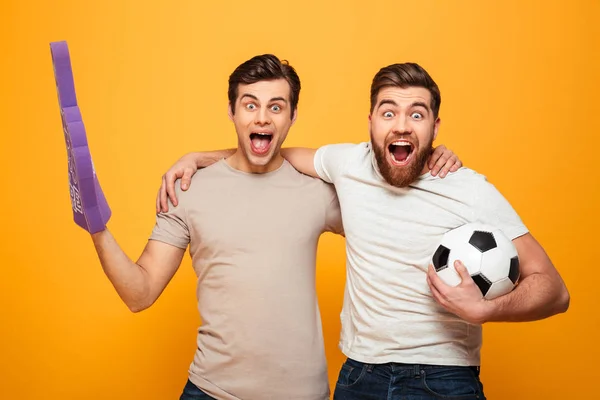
520 85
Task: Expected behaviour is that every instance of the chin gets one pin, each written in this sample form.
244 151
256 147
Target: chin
259 161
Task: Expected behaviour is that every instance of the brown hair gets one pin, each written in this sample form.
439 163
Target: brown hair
260 68
406 75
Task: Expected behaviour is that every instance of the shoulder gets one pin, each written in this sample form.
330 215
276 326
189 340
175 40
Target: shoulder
473 181
464 176
465 186
201 181
469 186
304 186
297 178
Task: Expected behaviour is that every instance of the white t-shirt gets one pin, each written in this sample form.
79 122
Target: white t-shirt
389 314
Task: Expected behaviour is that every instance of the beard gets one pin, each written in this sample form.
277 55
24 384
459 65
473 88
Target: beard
402 176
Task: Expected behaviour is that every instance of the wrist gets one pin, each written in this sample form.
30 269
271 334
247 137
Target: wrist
99 236
485 311
199 159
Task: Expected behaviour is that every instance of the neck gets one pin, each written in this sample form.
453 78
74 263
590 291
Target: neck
240 162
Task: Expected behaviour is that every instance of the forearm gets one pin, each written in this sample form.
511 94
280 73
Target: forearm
537 297
128 278
206 158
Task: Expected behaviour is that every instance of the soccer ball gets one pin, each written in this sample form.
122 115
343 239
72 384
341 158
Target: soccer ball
489 256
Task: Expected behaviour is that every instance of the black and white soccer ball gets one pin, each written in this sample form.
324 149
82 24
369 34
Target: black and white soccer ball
490 257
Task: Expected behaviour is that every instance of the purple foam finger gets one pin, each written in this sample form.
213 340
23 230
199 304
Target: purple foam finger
90 208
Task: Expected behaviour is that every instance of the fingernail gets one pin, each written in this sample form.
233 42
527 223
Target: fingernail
184 186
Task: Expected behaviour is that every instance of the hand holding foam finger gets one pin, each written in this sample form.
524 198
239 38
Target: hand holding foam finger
90 209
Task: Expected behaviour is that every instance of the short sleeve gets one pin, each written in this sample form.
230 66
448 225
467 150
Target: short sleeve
331 160
493 209
171 227
333 214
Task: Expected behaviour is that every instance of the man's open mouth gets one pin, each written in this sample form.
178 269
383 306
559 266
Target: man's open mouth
400 152
260 142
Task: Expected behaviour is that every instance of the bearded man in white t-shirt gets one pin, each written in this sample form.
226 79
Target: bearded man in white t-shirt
407 334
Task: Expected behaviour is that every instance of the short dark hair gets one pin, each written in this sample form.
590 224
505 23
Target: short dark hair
260 68
406 75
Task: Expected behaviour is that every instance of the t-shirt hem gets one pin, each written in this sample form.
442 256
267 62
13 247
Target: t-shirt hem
516 232
404 359
211 389
318 164
169 240
215 391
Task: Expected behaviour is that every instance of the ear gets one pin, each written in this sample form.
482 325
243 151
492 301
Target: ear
230 111
436 126
294 115
370 121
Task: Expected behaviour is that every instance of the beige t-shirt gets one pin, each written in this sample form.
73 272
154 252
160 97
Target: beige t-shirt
253 241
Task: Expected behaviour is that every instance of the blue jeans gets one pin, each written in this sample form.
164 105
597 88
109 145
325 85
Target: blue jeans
394 381
191 392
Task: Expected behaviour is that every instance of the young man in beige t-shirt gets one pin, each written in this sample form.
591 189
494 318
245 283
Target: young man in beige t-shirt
252 223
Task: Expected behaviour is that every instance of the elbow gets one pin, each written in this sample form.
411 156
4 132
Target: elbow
136 308
564 300
137 300
138 305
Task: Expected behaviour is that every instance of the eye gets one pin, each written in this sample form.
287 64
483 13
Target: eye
251 106
416 115
388 114
276 108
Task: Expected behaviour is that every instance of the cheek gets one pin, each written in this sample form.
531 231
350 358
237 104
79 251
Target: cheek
241 128
424 133
283 124
242 118
379 130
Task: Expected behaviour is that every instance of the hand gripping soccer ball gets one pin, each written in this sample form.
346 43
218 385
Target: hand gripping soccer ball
489 256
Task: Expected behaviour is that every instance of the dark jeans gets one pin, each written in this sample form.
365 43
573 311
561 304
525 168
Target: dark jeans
394 381
191 392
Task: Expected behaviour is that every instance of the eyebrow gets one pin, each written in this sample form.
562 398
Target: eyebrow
420 104
393 103
248 95
256 98
387 101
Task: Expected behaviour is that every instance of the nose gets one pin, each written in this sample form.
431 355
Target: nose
402 125
262 117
